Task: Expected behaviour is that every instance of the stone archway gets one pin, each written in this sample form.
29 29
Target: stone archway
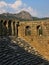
39 30
14 28
27 30
9 27
5 28
17 25
1 28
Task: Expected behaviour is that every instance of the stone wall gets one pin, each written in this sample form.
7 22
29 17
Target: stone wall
39 38
36 33
8 27
34 27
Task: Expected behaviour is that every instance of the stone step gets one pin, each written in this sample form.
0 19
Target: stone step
18 56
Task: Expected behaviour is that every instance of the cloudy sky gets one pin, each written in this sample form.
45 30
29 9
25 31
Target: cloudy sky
38 8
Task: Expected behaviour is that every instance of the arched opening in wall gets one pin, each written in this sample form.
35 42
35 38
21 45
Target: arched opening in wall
28 31
17 25
14 27
39 30
1 28
5 28
9 27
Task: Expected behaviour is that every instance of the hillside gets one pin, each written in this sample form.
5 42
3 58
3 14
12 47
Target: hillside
22 16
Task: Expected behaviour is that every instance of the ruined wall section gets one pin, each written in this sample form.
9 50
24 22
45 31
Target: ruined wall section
33 25
39 42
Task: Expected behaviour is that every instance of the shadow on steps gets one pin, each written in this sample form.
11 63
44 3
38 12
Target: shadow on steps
13 54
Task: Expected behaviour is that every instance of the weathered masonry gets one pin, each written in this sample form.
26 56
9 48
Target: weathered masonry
24 29
9 28
33 29
36 33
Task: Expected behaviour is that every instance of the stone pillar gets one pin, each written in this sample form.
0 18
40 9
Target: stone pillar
7 25
1 28
16 29
12 28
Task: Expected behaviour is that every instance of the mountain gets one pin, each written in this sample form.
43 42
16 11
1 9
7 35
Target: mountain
7 16
22 16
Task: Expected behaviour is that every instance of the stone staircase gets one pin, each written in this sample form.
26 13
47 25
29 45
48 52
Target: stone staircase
23 44
14 54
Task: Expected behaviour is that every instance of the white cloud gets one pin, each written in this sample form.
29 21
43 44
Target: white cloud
16 4
2 4
2 11
32 11
19 6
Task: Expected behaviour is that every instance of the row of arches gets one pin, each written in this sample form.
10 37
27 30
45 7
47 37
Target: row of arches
3 28
8 28
28 30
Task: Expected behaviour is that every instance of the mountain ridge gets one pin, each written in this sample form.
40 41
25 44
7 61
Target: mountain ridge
22 16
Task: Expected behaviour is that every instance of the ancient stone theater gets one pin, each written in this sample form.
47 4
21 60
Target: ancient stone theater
36 33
